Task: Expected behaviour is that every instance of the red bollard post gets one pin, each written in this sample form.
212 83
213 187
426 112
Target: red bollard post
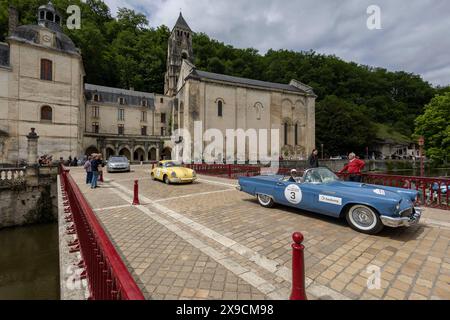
101 177
298 268
136 194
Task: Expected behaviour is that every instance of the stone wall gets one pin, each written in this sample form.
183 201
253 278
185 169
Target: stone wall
29 202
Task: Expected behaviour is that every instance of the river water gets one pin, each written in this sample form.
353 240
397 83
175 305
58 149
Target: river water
29 263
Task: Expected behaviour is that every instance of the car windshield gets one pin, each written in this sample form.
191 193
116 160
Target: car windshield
319 175
171 164
118 159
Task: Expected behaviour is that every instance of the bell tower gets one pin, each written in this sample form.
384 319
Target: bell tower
179 48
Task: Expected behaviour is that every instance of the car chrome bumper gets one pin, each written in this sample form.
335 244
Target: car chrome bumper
118 169
404 221
183 180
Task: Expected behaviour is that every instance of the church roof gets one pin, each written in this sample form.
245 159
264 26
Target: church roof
245 81
181 23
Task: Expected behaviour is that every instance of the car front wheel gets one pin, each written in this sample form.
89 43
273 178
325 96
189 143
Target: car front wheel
364 219
166 180
265 201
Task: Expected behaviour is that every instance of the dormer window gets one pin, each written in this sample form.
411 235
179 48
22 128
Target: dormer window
122 100
144 102
42 15
49 16
96 97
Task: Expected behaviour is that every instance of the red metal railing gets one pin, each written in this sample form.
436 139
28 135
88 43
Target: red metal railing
107 275
433 192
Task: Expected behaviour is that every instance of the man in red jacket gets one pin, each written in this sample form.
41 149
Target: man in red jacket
354 167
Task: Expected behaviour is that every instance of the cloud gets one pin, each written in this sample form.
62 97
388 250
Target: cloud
414 35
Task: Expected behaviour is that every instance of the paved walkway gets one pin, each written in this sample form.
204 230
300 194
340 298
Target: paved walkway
209 241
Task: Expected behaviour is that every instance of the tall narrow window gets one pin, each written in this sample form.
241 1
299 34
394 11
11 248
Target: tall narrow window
144 130
296 134
285 134
161 100
163 118
121 115
96 97
144 116
144 102
95 127
46 113
122 101
219 108
95 112
121 129
46 70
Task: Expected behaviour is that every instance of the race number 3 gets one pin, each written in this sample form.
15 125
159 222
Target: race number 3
293 194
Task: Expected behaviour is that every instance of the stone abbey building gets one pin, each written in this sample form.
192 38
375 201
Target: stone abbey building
42 86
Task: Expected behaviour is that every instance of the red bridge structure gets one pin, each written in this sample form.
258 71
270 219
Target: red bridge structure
108 277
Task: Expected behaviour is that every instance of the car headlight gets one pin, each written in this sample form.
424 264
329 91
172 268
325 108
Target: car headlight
174 174
397 207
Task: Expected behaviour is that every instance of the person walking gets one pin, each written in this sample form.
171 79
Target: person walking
87 167
313 160
354 168
94 167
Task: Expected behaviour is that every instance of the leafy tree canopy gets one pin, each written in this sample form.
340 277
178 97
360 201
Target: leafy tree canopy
434 126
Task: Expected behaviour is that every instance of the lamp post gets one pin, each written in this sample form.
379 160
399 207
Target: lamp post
322 150
421 144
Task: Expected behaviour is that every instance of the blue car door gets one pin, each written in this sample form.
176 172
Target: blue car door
293 194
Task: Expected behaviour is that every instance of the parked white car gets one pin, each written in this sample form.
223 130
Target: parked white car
118 164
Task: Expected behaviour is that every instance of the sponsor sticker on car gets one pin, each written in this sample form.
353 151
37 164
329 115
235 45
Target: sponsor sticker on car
329 199
380 192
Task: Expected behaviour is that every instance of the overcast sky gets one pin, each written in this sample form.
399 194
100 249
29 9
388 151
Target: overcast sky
414 34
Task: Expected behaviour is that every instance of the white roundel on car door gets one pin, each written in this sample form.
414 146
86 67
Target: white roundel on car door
293 194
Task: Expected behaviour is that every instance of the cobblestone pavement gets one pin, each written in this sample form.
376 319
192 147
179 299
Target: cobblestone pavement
209 241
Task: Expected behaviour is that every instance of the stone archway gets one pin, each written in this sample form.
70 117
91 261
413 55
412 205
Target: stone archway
139 154
125 152
152 154
166 153
110 152
91 150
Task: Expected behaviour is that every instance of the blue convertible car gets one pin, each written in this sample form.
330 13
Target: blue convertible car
367 208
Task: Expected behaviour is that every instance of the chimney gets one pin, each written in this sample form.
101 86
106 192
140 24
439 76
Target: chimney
13 20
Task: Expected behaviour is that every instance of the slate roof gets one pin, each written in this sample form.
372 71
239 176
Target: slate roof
181 23
112 95
245 81
30 33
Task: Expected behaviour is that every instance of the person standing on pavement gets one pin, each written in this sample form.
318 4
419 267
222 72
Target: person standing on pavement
354 168
313 160
95 163
87 167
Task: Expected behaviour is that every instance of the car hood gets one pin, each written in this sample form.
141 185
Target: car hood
181 172
376 190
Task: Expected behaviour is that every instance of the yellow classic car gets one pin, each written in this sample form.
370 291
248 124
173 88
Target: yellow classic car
172 172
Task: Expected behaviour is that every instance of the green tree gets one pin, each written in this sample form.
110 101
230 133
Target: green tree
434 125
343 126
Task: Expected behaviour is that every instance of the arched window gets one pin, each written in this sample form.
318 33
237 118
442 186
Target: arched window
46 113
49 16
258 108
46 70
144 102
184 55
219 108
96 97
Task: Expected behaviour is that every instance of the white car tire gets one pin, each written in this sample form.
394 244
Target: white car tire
265 201
364 219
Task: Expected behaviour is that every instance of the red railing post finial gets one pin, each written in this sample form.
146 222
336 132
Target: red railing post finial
136 194
298 268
